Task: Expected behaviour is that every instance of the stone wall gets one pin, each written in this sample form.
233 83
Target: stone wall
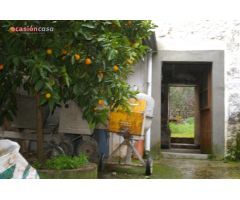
210 35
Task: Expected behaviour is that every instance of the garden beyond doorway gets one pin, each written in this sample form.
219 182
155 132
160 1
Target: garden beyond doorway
181 111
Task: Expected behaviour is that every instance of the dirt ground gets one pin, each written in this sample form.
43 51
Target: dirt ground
177 169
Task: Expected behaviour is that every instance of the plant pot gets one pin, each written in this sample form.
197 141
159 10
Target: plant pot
88 171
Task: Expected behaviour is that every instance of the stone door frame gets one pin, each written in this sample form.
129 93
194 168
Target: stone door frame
216 57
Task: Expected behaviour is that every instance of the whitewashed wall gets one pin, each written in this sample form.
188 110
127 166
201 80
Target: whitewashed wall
210 35
203 35
139 77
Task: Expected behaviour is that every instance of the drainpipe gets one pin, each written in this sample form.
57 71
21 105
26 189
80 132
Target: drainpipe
149 92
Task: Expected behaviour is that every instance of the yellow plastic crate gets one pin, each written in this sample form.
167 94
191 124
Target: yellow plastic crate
133 121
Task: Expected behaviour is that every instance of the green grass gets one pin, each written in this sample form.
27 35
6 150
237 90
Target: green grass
184 129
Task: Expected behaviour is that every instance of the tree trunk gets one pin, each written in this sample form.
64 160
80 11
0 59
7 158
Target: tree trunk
39 129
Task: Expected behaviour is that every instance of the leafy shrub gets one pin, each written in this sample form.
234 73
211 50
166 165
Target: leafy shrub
189 120
64 162
234 151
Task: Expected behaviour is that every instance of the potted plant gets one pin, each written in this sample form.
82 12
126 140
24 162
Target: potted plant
67 167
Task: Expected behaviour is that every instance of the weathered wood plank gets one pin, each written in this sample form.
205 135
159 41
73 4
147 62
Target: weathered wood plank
22 135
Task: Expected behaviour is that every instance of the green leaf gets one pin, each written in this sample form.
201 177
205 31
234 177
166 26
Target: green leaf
39 85
83 75
41 72
75 34
46 67
72 60
76 90
43 100
111 55
51 105
88 25
67 80
116 22
48 86
100 39
15 61
87 36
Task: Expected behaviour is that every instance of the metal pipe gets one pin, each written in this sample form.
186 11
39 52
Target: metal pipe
149 92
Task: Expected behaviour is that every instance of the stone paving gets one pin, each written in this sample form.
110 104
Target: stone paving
203 169
178 169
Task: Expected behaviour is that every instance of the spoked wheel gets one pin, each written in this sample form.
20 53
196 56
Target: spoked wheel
149 167
54 150
89 148
67 147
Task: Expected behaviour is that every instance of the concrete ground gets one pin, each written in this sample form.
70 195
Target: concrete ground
169 168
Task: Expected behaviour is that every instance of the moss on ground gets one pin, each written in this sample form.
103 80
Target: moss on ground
160 171
163 168
156 152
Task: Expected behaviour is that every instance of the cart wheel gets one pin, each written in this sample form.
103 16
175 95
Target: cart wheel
67 147
89 148
53 150
149 167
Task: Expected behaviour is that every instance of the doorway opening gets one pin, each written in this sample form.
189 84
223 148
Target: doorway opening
182 112
186 107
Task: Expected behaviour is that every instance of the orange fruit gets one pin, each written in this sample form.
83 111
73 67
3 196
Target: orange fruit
101 102
88 61
77 56
115 68
1 67
48 95
49 51
12 29
64 52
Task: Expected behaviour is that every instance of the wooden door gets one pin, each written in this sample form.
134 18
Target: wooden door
206 112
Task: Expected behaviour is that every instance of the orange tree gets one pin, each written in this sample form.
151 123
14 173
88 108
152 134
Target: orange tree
84 61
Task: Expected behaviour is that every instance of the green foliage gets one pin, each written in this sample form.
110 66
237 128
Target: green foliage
46 64
181 101
63 162
185 129
233 152
189 120
211 157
